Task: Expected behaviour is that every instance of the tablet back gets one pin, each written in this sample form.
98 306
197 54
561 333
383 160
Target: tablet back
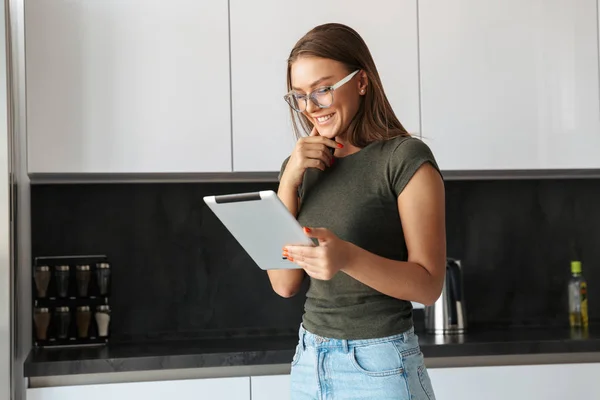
262 225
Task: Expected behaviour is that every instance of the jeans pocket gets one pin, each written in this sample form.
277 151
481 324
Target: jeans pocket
297 355
377 360
425 382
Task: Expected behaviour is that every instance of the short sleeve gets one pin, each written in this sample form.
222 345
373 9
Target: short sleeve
406 158
282 169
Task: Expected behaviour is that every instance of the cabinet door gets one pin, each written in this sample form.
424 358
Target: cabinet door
523 382
270 387
263 32
127 86
510 84
193 389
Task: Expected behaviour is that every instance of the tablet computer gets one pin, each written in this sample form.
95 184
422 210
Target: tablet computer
261 224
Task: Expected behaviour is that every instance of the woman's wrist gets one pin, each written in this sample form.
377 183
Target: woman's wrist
286 186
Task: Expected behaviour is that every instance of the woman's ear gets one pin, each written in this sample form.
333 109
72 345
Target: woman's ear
363 82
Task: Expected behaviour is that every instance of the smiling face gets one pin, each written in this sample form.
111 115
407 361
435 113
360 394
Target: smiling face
312 73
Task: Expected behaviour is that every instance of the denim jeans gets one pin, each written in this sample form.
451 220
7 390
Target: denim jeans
389 368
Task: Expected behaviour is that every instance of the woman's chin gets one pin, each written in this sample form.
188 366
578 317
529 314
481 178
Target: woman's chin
329 133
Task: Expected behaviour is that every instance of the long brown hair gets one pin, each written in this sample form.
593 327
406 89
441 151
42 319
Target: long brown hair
375 119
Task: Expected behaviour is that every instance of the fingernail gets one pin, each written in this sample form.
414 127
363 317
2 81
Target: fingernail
307 230
291 259
340 145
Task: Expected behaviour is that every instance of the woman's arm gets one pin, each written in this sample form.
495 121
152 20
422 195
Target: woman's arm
286 283
422 208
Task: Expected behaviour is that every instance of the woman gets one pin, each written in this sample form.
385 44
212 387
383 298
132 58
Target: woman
373 197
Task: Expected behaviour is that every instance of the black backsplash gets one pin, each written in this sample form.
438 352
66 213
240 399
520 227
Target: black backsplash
178 273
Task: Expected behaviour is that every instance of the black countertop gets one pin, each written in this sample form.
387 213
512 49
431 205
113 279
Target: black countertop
280 349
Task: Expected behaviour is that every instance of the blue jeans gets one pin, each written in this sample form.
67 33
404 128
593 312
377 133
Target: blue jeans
389 368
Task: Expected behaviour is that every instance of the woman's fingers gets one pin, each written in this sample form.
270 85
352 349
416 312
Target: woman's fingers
319 154
301 253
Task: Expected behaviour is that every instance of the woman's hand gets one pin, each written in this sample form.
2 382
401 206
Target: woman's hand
323 261
310 152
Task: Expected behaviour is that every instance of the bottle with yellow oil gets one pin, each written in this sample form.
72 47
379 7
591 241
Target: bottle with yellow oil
578 302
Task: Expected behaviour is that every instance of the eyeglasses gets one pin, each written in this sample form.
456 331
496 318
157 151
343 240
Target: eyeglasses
321 97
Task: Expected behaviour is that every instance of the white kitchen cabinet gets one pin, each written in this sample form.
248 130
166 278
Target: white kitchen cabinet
510 84
129 86
271 387
263 32
523 382
193 389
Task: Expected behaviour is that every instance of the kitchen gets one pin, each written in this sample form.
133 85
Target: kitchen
123 115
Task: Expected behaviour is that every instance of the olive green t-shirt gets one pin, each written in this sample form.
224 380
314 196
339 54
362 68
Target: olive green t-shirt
357 199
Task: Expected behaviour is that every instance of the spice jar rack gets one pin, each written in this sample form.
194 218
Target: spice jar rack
71 300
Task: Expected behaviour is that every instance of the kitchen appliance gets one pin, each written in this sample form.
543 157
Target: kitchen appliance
447 315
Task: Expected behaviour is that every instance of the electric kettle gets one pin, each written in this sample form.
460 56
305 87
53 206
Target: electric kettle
448 315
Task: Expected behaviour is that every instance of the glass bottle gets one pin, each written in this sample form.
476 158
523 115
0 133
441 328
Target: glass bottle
578 310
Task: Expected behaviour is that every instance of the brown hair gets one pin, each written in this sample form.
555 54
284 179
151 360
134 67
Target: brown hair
375 119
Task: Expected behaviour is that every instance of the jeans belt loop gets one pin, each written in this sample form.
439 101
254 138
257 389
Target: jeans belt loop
320 339
345 345
406 335
302 338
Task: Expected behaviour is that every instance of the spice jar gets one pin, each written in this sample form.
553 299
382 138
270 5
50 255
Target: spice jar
62 322
82 276
41 276
83 317
41 319
62 280
103 277
103 320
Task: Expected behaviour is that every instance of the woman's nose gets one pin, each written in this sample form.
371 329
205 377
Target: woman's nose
311 106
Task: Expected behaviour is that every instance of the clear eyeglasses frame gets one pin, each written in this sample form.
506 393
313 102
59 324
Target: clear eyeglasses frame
322 97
